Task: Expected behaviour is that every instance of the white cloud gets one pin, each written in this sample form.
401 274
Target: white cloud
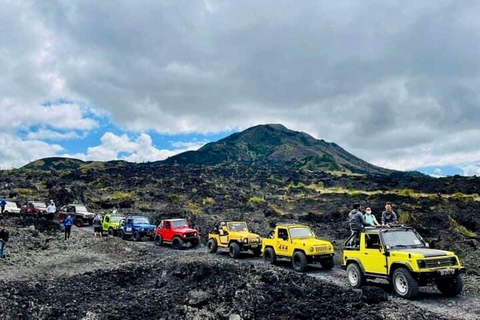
471 170
45 134
133 149
17 152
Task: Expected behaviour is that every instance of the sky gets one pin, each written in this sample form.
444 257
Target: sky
394 82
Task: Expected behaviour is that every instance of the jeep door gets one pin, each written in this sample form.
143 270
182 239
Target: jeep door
105 223
129 226
283 246
167 232
373 260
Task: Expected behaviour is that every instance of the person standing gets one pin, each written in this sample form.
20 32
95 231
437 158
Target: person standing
389 216
67 224
3 203
356 220
51 209
4 236
369 218
97 226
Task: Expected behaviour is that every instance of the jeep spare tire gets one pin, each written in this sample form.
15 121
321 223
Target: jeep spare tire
158 240
234 250
299 261
177 243
404 284
355 276
212 246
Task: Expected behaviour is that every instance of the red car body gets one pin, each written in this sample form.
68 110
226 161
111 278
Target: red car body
176 232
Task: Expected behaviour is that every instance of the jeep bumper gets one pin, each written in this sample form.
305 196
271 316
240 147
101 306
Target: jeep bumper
440 274
318 257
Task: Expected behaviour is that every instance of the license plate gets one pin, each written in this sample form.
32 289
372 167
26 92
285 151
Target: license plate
446 272
253 245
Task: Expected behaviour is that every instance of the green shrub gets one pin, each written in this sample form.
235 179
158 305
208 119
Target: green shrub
407 192
122 196
208 201
462 229
458 195
256 200
174 198
404 218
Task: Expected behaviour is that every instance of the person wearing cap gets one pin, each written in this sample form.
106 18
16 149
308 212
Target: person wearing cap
369 218
4 236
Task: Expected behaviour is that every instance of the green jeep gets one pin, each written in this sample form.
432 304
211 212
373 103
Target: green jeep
111 223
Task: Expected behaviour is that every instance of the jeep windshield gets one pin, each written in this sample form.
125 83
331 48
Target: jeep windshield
179 223
116 218
141 220
40 205
301 233
398 239
80 208
237 226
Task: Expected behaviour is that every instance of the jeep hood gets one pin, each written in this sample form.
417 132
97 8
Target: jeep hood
145 225
311 242
421 253
184 230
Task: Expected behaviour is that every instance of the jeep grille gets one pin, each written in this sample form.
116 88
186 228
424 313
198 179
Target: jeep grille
321 249
444 262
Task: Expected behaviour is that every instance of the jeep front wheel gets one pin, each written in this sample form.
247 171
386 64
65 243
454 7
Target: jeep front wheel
234 250
404 284
137 236
177 243
270 256
299 261
111 232
158 240
212 246
450 287
355 276
327 263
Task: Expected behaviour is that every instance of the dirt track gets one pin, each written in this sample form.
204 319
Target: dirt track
84 278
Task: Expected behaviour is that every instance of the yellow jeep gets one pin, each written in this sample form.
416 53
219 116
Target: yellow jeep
400 255
299 244
235 236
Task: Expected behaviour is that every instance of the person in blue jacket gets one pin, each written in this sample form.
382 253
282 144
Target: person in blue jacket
3 203
68 223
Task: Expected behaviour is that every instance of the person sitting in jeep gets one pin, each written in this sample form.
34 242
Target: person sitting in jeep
389 216
356 220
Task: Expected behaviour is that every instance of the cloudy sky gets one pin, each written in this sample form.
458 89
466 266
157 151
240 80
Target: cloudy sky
394 82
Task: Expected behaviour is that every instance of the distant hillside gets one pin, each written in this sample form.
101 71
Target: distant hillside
59 163
274 144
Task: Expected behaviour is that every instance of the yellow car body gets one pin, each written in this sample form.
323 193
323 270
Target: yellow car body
299 244
235 236
401 256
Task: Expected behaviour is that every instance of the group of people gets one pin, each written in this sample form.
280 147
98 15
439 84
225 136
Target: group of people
97 226
358 220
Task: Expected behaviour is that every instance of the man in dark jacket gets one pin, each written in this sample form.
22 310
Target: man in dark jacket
389 216
4 235
355 218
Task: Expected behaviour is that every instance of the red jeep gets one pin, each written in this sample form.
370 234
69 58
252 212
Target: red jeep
176 232
33 208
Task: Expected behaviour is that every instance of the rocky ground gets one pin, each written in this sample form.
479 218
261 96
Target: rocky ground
45 277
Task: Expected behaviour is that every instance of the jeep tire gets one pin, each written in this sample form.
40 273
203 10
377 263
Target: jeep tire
299 261
450 287
355 276
158 240
79 223
327 263
177 243
404 284
212 246
270 256
234 250
122 235
111 232
137 236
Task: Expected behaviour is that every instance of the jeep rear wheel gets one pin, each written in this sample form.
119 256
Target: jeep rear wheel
212 246
234 250
327 263
79 223
158 240
177 243
355 276
111 231
299 261
404 284
450 287
270 256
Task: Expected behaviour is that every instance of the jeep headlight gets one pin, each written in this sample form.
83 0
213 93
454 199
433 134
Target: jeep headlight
422 264
245 240
184 235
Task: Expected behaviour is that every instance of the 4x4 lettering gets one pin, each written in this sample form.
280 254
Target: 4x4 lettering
282 247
